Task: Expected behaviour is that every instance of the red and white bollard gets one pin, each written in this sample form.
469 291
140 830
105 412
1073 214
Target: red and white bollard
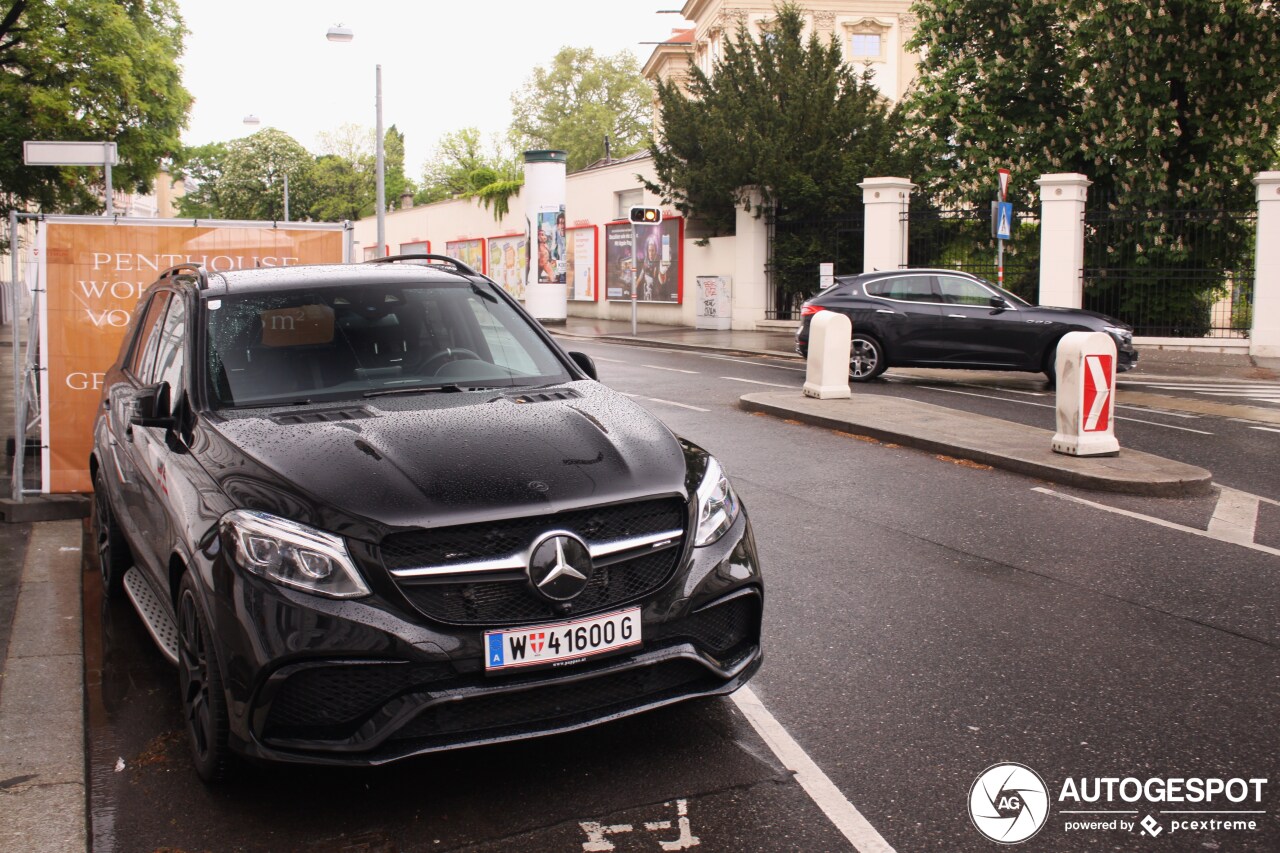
1086 372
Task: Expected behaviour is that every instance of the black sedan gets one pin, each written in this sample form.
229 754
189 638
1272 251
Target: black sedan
944 318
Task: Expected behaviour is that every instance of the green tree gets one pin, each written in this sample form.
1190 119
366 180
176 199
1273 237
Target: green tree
578 99
251 185
462 166
395 184
343 191
200 167
97 70
1166 105
784 113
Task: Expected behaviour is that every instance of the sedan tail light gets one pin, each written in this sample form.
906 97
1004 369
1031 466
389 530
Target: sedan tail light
807 310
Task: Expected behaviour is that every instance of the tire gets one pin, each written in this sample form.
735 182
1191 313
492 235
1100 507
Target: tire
866 358
204 702
1051 365
114 557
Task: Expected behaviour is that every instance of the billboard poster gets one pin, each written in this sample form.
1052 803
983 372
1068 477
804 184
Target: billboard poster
95 273
417 247
655 272
553 247
470 252
619 272
581 283
509 263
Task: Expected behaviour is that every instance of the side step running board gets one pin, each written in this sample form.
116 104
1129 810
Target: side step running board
153 612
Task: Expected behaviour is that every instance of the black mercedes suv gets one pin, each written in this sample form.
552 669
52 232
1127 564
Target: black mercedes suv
374 510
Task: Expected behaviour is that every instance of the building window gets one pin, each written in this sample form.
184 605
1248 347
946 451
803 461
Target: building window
865 45
628 199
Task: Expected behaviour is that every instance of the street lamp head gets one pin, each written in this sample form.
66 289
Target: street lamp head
339 33
252 119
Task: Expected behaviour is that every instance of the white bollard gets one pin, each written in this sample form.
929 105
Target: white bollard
827 371
1086 371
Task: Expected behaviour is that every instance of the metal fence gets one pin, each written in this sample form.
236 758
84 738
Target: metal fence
1183 273
798 245
960 239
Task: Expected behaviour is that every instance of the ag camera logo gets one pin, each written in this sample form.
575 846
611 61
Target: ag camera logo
1009 803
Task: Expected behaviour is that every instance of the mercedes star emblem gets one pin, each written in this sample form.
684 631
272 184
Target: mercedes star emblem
560 566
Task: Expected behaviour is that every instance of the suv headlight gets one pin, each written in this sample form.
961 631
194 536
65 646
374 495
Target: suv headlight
292 554
717 504
1124 336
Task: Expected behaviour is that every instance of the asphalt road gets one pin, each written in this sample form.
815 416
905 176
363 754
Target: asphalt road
925 619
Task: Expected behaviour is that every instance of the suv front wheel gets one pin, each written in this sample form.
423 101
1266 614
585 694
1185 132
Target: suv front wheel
204 704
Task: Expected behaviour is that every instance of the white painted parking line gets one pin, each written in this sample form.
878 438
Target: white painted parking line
1047 406
846 817
756 382
672 369
660 400
1194 531
755 363
1235 517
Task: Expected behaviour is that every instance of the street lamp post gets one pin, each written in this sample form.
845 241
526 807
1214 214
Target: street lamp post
344 34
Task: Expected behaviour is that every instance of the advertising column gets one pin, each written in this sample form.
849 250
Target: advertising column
543 193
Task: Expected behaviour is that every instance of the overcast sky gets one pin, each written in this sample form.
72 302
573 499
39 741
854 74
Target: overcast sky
445 65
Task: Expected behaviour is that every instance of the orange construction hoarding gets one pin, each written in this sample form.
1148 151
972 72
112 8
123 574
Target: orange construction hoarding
93 273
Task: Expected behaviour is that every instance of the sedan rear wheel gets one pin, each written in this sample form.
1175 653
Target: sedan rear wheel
866 358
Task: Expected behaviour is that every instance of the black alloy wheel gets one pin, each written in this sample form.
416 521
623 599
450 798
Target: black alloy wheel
204 705
114 558
866 358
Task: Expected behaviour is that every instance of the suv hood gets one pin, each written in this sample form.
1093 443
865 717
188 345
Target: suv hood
446 458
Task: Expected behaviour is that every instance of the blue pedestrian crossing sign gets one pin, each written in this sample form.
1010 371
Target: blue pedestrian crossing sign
1004 220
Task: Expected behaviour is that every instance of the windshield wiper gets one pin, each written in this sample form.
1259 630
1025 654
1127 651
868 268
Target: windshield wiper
448 387
482 293
270 404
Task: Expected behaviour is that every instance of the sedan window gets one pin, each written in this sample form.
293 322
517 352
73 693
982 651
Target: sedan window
962 291
908 288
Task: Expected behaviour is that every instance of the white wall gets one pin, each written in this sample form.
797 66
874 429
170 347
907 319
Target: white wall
590 199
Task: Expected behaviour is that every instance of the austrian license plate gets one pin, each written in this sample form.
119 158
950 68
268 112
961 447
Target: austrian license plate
561 642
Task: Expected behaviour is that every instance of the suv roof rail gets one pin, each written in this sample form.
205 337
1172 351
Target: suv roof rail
454 262
189 267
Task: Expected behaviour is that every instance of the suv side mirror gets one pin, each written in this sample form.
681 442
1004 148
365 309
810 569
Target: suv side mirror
999 302
152 407
585 363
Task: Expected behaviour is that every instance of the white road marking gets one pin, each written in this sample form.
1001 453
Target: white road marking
1194 531
757 382
659 400
1265 429
1164 412
1047 406
1235 518
1005 390
613 360
861 834
755 363
672 369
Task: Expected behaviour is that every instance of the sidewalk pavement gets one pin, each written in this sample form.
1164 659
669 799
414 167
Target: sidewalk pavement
954 432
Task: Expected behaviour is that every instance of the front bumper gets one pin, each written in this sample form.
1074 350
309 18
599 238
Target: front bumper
312 680
1126 360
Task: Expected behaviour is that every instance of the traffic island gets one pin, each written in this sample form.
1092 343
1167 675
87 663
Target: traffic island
1000 444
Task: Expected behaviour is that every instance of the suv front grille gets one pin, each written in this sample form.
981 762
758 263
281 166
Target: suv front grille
504 599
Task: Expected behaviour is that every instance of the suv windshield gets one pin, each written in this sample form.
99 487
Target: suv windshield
341 343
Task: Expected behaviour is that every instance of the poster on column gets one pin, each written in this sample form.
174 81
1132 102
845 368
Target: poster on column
470 252
581 284
552 246
656 271
95 271
509 263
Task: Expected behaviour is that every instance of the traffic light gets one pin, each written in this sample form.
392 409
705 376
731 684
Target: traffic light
646 215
